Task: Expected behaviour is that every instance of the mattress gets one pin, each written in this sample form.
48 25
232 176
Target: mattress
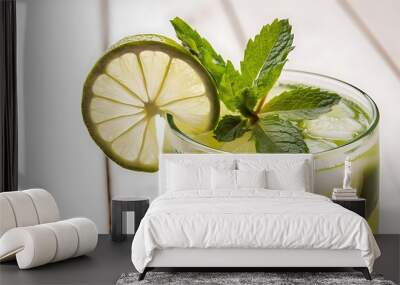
250 219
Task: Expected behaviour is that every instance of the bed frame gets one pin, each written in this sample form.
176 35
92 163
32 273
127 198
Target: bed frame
242 259
260 259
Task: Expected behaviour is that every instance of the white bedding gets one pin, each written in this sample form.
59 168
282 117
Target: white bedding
250 219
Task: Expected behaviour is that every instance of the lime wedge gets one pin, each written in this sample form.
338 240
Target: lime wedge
138 78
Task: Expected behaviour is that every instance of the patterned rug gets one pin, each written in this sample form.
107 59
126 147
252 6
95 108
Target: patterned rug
243 278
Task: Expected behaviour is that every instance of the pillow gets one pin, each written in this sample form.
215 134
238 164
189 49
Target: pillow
282 174
181 177
223 179
251 178
293 179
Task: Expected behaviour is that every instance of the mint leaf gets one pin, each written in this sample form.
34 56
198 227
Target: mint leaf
265 56
265 84
230 128
229 87
200 48
302 103
275 135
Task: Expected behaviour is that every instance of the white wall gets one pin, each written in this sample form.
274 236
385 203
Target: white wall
59 41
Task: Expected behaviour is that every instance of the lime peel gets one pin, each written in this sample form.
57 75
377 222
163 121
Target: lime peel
137 79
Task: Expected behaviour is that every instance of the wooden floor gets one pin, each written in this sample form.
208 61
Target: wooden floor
111 259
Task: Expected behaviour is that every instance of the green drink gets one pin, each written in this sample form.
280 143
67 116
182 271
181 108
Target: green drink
213 106
350 129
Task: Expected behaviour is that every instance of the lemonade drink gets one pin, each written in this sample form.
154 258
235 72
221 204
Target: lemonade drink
349 130
213 106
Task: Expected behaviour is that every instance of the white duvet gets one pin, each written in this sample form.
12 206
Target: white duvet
250 219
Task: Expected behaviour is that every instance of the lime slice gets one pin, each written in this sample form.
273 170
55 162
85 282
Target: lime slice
138 78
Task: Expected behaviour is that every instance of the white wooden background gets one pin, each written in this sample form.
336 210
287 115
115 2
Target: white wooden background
355 40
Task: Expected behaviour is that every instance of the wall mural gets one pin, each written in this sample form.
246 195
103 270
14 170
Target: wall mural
209 106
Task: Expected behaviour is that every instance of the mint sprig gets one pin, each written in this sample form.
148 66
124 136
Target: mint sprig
245 92
260 68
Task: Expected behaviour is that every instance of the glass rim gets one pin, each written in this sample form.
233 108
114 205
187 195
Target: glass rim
374 118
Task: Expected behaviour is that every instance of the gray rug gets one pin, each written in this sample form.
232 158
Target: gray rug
269 278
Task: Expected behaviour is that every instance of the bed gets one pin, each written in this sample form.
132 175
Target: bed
247 210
